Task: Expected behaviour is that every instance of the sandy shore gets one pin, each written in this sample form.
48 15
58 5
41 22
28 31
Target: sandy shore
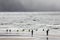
16 38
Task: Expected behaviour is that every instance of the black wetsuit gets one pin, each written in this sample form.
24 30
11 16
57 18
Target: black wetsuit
32 33
43 29
47 32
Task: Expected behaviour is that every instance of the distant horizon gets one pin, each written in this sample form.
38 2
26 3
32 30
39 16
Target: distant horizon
41 13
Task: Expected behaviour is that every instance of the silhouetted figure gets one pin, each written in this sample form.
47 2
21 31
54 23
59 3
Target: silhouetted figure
9 30
23 30
43 29
17 30
29 30
32 33
47 32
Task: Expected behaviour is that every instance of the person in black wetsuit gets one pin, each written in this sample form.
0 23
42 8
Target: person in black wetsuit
47 32
32 33
43 29
9 30
29 30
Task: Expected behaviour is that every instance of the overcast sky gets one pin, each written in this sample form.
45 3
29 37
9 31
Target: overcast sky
29 5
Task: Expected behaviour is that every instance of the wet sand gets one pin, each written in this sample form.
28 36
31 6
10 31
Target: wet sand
16 38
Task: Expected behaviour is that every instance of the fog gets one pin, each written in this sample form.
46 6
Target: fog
29 5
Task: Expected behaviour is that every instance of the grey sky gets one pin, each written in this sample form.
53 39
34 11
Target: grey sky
29 5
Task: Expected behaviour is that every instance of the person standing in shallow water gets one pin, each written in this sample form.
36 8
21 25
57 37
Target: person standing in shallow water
32 33
47 32
43 29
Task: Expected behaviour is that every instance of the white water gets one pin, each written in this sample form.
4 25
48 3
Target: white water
14 20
